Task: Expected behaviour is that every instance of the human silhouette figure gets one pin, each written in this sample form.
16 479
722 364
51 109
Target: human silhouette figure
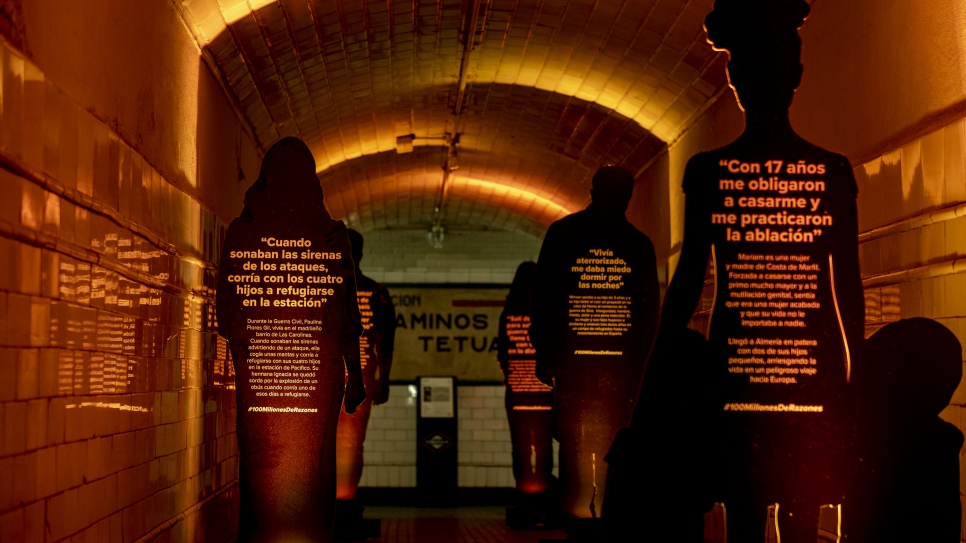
594 311
777 216
529 402
905 485
375 356
286 303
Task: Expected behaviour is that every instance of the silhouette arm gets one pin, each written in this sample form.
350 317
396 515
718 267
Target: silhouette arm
652 296
386 319
227 303
352 321
503 346
847 278
681 298
355 392
684 292
544 305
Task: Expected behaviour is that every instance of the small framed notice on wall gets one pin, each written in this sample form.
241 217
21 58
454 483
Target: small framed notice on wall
436 395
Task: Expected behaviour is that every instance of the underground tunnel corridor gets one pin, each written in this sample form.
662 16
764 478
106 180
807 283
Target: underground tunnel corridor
451 134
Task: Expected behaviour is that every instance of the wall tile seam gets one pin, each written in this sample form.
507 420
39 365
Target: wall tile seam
48 182
926 218
89 203
233 90
209 470
53 448
217 75
49 242
133 428
939 269
120 396
43 240
155 532
122 354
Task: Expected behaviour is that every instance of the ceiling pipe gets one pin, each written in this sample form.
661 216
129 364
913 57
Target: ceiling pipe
436 229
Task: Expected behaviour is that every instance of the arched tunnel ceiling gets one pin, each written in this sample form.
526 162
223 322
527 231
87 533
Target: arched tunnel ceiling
553 90
526 151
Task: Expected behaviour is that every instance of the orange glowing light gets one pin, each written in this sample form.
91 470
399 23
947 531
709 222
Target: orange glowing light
522 195
212 17
241 9
838 314
110 405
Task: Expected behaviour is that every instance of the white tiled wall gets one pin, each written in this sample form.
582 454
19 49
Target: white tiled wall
117 407
395 256
484 440
389 452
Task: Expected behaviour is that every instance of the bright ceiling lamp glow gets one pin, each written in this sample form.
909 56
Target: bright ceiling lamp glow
212 17
523 195
233 13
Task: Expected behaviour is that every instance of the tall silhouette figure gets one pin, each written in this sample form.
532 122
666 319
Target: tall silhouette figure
594 311
375 357
529 402
777 217
286 302
905 482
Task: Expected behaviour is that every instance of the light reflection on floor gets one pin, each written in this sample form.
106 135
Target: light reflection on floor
451 525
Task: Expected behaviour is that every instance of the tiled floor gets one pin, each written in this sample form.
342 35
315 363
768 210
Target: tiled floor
452 525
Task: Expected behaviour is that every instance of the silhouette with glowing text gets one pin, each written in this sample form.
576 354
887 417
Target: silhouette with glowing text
906 477
529 402
594 311
777 217
375 358
286 302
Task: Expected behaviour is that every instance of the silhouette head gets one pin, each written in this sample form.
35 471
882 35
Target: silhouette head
518 300
611 189
289 156
913 365
761 37
355 239
287 183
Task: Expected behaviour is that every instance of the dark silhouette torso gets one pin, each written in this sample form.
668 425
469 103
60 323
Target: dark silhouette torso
775 313
286 302
375 347
778 216
529 405
585 257
286 438
594 311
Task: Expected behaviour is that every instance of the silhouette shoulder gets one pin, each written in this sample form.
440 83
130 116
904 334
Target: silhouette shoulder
332 224
698 167
367 283
841 169
566 225
950 436
570 221
235 228
642 238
